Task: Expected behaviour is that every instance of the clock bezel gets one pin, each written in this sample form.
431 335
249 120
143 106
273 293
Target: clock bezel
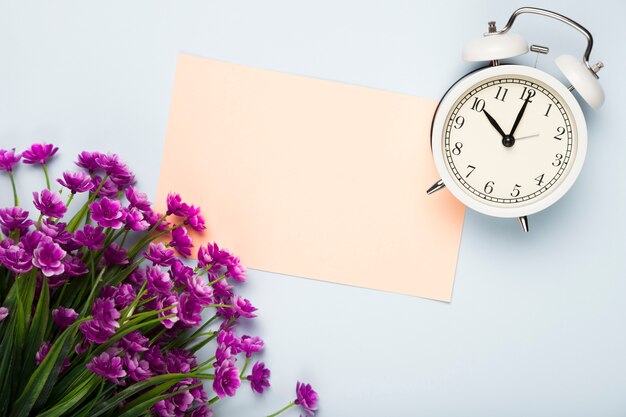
458 90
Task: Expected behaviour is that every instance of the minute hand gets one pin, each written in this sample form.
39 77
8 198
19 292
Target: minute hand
519 117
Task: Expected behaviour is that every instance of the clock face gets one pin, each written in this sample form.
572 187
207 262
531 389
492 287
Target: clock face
509 140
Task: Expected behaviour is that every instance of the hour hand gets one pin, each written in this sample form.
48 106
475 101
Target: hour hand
494 123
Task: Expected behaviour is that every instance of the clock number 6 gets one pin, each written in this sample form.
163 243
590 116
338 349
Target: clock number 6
457 148
489 187
515 191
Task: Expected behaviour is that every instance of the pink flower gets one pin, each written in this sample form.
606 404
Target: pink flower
39 153
259 378
76 182
48 257
4 313
189 310
306 398
108 367
14 218
251 345
107 213
64 317
42 352
137 369
244 308
8 159
176 206
159 254
226 379
181 241
49 203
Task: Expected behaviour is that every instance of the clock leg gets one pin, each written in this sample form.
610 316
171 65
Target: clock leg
524 222
435 187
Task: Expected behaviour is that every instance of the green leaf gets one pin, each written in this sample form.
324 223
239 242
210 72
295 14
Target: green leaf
136 388
140 408
36 333
74 398
41 382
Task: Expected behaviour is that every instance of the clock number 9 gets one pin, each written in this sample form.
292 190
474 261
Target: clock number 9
558 161
459 122
489 187
457 148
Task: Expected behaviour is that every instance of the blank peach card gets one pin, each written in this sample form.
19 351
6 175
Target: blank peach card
312 178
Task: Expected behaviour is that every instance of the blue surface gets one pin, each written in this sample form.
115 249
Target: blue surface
536 323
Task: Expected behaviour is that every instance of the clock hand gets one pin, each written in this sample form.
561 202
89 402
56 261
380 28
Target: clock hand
494 123
519 117
527 137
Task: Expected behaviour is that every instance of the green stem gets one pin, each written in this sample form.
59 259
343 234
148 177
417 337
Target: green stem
69 200
15 199
45 171
245 365
287 407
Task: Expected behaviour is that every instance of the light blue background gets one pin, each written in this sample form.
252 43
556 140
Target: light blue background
536 326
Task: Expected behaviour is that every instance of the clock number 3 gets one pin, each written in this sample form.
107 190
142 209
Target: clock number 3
559 159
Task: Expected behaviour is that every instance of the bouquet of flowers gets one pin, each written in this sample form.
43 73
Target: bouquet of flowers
101 312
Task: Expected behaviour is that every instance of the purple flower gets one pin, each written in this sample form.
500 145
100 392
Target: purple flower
194 219
87 160
259 378
91 237
181 241
42 352
199 394
176 206
8 159
108 367
137 199
135 342
14 218
180 361
106 188
15 257
134 220
104 311
164 408
76 182
202 411
107 213
199 290
4 313
39 153
244 308
182 401
157 221
49 203
179 272
48 257
95 331
110 163
228 339
211 256
74 266
236 270
159 254
30 241
306 398
137 277
155 359
64 317
189 310
124 296
115 255
137 369
56 231
165 302
159 282
123 177
226 379
251 345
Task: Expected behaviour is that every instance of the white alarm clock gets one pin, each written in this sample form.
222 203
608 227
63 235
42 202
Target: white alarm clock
510 140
